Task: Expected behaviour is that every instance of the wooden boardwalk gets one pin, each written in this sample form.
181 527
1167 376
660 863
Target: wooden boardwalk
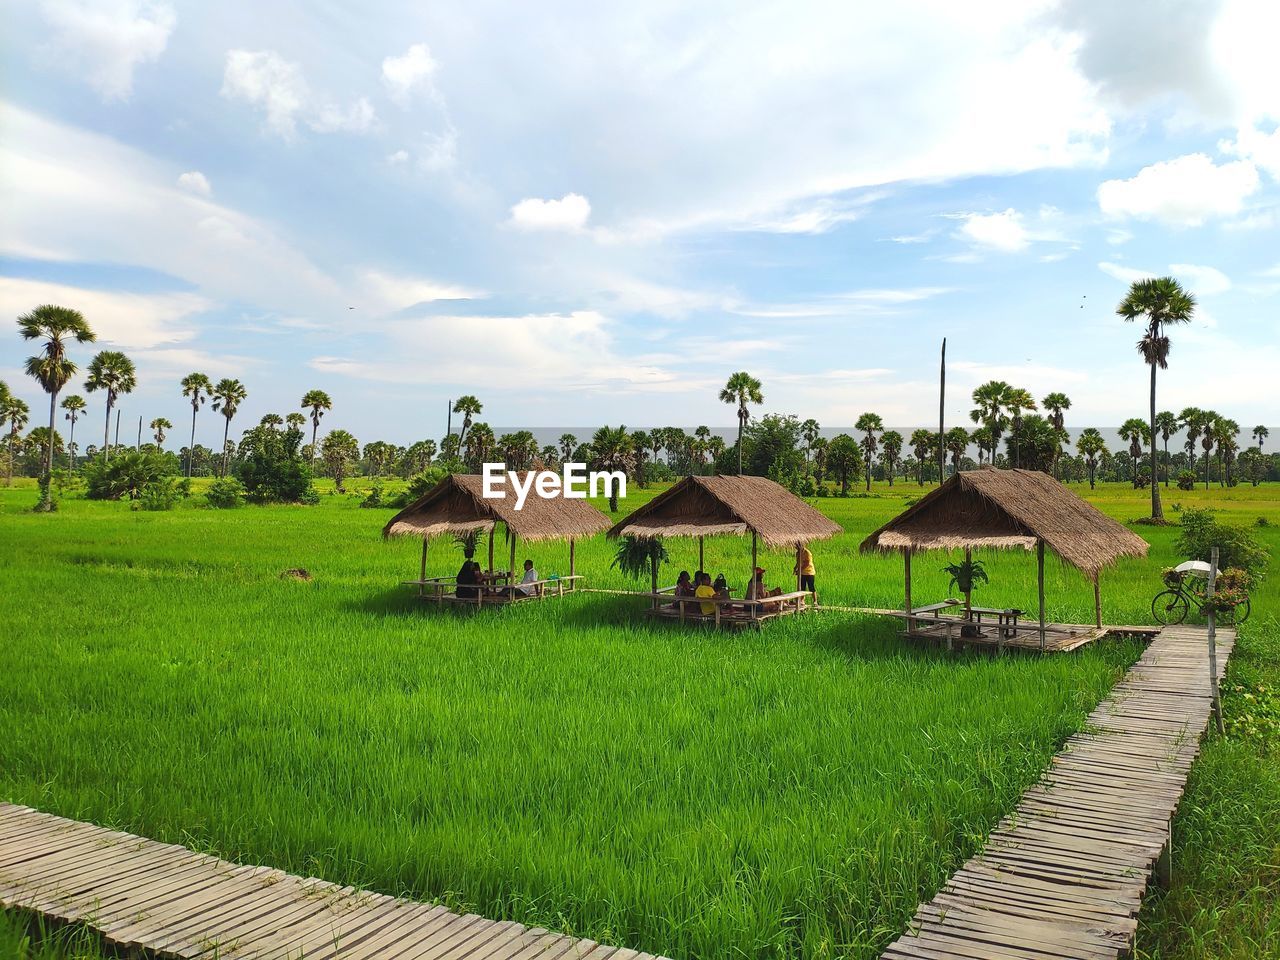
174 902
1064 875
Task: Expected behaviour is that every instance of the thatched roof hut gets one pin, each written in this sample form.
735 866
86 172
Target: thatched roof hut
1004 509
1009 508
457 505
707 506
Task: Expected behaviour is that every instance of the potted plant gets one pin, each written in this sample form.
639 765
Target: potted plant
965 576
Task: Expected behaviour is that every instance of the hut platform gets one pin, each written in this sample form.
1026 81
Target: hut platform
729 614
1020 635
1064 874
170 901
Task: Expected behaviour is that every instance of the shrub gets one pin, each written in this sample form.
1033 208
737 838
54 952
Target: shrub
225 493
419 484
374 497
160 494
1237 547
124 476
1186 480
273 470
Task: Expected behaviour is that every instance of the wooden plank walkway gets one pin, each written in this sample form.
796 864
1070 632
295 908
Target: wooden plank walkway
175 902
1064 875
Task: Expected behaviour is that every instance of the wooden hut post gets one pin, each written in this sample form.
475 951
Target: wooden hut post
511 573
1097 599
422 574
968 594
1040 585
754 563
492 531
799 575
572 582
906 579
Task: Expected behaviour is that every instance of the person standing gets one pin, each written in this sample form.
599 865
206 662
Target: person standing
805 569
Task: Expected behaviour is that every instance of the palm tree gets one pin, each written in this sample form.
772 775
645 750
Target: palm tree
75 407
568 442
1225 432
51 367
1208 428
196 387
1191 419
890 451
272 421
982 439
1167 424
159 425
870 424
1054 404
113 372
1259 434
1160 301
990 402
612 450
957 440
810 431
338 450
740 390
481 445
227 396
469 407
318 402
295 421
819 458
844 458
1092 447
16 414
639 446
1135 431
921 445
1017 401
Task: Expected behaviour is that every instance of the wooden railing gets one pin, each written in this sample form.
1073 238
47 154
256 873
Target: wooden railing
442 589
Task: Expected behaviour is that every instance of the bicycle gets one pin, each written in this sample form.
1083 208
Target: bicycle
1188 584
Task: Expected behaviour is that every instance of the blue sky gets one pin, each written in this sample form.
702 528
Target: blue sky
584 214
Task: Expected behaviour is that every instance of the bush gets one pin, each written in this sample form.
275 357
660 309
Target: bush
419 484
1186 480
225 493
273 470
374 497
161 494
1237 547
125 476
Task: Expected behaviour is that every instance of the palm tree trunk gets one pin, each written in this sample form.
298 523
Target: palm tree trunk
1166 463
71 446
191 447
48 457
741 423
1206 469
106 432
1157 513
226 430
315 426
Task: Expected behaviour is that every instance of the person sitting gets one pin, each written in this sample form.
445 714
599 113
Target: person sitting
529 585
467 580
756 590
705 592
721 585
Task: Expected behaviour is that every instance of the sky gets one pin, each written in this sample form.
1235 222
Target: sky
585 213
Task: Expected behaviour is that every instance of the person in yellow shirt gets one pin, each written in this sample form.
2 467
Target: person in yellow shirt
704 592
805 569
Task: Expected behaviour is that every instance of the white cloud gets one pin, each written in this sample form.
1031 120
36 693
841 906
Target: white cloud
412 72
1185 191
1199 279
1004 231
1256 146
129 320
1127 274
570 212
389 293
399 157
193 181
278 88
107 39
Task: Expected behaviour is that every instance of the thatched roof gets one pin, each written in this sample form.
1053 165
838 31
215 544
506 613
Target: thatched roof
1009 508
705 506
457 504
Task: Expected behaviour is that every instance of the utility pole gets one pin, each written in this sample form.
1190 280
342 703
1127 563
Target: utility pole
117 443
139 433
942 402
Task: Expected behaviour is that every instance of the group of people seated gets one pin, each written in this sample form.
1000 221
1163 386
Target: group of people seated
701 587
472 580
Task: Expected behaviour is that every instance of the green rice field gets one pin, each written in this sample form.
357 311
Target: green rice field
792 792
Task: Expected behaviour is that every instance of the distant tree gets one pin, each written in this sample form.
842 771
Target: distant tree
957 442
55 327
843 458
1054 405
451 449
470 408
318 402
196 387
810 431
227 396
158 427
1260 434
922 442
1037 442
16 414
990 401
1225 434
294 420
740 390
339 450
612 450
272 467
419 455
1208 437
1159 302
113 372
640 446
272 421
75 407
1016 401
1135 431
1091 447
870 424
567 442
480 447
820 447
550 456
1167 425
890 452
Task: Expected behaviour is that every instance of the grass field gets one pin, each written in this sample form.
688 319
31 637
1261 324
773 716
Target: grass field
794 792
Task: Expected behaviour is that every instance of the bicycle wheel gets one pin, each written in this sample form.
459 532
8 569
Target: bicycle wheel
1236 615
1170 607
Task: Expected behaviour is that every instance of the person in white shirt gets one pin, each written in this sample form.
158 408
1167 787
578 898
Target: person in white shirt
530 578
